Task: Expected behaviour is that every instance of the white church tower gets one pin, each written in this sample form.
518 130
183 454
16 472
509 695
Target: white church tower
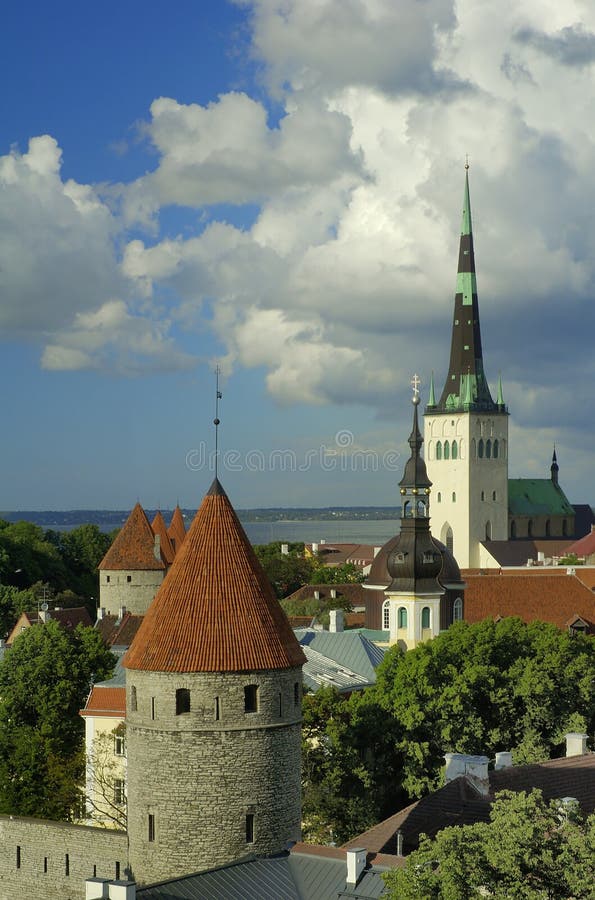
466 433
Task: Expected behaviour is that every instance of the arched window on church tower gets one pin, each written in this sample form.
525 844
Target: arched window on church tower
488 449
457 610
449 539
547 528
480 448
455 450
564 528
530 528
425 618
402 618
438 449
513 530
473 448
386 615
446 450
488 531
496 448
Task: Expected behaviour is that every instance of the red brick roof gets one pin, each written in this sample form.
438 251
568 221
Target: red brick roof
555 598
215 611
167 550
585 546
105 701
134 547
177 529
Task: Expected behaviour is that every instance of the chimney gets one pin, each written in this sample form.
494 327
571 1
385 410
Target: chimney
377 551
503 760
540 556
101 613
356 863
284 549
157 547
337 621
576 744
314 548
122 890
96 888
323 540
121 613
333 593
474 768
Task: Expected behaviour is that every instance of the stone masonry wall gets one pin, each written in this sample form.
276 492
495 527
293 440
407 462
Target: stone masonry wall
136 595
200 776
42 860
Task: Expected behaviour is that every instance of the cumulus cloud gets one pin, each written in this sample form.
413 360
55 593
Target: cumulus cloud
572 45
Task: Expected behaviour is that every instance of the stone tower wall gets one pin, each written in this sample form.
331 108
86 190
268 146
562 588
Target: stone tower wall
199 776
136 594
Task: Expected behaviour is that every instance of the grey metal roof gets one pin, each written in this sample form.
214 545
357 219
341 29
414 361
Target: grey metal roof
320 671
351 650
296 876
118 678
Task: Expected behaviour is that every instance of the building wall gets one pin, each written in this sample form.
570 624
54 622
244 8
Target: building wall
136 594
413 634
103 767
199 777
541 527
46 849
469 493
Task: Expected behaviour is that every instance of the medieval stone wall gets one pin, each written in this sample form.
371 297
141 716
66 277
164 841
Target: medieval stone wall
42 860
136 595
195 777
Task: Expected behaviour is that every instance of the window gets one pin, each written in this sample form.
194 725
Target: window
454 497
455 450
129 578
386 615
473 448
488 531
66 864
547 528
494 495
182 701
402 617
45 865
152 707
119 791
530 528
488 449
425 617
151 834
407 510
439 497
480 448
119 748
483 495
449 539
250 828
117 870
439 450
107 578
496 449
446 450
457 610
513 529
251 698
217 709
296 693
133 699
280 704
18 857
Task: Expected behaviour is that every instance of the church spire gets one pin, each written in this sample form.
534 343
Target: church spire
466 386
554 468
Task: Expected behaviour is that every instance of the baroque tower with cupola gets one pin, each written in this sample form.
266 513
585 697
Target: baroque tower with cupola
466 432
213 709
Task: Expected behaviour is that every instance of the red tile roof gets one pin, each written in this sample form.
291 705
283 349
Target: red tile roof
134 547
167 550
216 610
551 598
106 701
585 546
177 529
116 631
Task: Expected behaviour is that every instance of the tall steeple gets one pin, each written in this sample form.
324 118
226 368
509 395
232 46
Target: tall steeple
554 468
466 387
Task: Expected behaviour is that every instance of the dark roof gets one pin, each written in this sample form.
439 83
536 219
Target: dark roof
555 598
584 518
537 497
458 802
352 592
380 577
516 553
216 610
134 546
118 631
306 873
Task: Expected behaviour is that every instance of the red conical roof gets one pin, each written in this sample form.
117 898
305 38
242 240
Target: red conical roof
177 529
215 611
134 547
159 527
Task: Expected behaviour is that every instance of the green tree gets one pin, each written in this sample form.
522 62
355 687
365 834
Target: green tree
13 602
286 571
346 573
486 687
349 774
530 849
44 681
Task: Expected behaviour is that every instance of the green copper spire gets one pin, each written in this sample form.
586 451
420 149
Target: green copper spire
432 398
466 385
500 397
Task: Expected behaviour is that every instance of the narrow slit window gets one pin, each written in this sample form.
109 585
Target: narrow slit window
151 834
67 864
152 707
217 709
296 693
18 857
45 866
250 828
280 704
117 870
133 699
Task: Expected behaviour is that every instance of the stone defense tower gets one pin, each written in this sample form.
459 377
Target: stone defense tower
213 709
466 433
132 570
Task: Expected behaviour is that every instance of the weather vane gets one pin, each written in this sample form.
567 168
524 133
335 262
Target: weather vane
415 383
466 160
217 420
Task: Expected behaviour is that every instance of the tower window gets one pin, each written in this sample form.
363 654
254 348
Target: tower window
250 828
488 531
449 539
457 610
296 693
67 864
129 578
439 497
496 448
446 450
454 497
182 701
280 704
494 495
119 791
488 449
151 828
513 529
251 698
386 615
439 450
217 709
18 857
455 450
402 617
133 699
480 448
107 579
152 707
483 495
425 617
530 528
119 745
547 528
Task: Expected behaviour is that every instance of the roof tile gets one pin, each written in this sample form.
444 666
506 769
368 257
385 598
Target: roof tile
177 529
215 611
159 527
134 546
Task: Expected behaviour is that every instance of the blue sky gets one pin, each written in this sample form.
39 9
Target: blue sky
275 186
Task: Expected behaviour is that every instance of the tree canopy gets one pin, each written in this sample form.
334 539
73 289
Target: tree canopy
530 849
44 681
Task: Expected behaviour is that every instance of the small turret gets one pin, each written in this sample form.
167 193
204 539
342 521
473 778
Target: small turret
554 468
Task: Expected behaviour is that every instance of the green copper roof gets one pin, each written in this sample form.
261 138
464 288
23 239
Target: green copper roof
432 397
537 497
500 397
466 226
